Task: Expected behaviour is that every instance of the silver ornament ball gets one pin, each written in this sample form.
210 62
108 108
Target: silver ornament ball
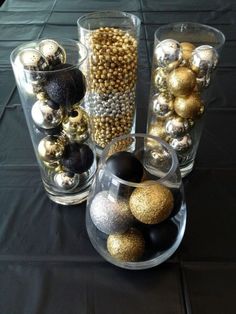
51 148
177 126
182 144
45 115
110 215
66 181
168 54
31 59
204 60
52 51
162 105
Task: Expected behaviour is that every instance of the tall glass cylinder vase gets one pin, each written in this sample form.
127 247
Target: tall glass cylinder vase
52 88
185 56
111 38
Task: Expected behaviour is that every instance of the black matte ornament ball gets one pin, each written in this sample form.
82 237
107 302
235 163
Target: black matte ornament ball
160 237
77 157
125 166
65 87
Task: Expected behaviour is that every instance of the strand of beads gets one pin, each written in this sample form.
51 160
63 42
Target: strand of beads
181 72
61 125
111 87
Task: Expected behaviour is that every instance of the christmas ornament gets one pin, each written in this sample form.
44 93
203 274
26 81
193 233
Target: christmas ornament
41 95
160 79
77 157
75 124
177 126
204 60
181 81
65 87
157 129
125 166
182 144
190 107
46 114
50 148
126 247
160 237
52 51
187 49
32 60
163 105
110 215
66 181
152 203
168 54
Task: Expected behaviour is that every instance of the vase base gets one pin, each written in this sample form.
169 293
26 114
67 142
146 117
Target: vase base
69 199
186 169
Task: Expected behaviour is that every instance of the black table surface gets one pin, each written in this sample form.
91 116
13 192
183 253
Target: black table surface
47 264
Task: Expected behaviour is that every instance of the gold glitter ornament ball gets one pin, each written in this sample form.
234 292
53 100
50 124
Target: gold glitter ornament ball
126 247
181 81
157 129
190 107
151 204
187 49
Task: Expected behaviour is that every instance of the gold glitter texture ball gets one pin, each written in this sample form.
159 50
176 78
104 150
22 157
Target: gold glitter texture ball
168 54
151 204
50 148
157 129
190 107
181 81
76 124
187 49
126 247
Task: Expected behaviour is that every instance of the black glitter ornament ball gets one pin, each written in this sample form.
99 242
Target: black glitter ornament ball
160 237
65 87
125 166
77 157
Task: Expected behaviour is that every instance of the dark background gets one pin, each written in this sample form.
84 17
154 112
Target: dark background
47 264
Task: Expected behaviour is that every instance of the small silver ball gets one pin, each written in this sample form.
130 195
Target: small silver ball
110 215
66 181
168 54
45 116
204 60
177 126
32 60
182 144
52 51
162 105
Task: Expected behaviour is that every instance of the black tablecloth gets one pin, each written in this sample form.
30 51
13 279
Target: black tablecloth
47 264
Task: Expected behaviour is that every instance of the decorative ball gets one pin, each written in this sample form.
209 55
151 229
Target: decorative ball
157 129
77 157
177 126
125 166
32 60
66 87
190 107
204 60
160 79
162 236
202 82
66 181
152 203
50 148
46 114
168 54
110 215
187 49
181 81
163 105
126 247
182 144
41 95
52 51
75 124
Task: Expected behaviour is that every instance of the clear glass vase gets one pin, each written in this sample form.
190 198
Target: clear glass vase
52 86
136 211
111 38
185 56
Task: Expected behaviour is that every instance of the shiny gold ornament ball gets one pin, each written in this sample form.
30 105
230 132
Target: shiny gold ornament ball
151 204
181 81
157 129
187 49
126 247
50 148
190 107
